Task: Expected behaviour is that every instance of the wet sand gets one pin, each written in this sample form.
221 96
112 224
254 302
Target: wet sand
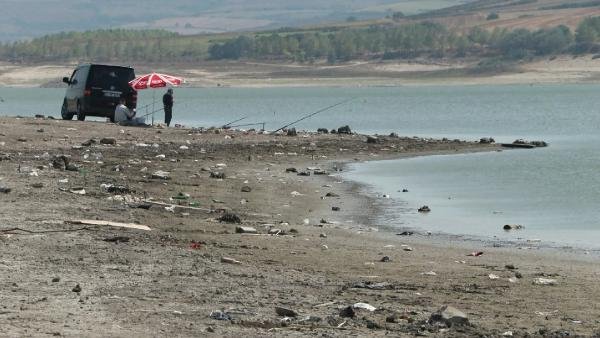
168 281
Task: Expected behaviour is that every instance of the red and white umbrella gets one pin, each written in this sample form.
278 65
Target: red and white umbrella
155 80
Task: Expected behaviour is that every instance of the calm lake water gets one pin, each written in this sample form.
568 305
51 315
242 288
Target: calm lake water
554 192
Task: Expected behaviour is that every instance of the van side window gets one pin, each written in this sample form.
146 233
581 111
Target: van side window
81 77
73 77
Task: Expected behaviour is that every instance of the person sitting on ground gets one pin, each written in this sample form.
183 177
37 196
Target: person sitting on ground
124 115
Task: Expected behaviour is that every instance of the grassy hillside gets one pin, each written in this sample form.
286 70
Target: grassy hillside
494 30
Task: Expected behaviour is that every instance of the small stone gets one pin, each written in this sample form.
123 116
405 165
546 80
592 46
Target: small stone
71 167
304 173
332 194
108 141
246 189
344 130
41 130
508 227
407 248
292 132
217 175
372 325
335 208
545 281
220 315
323 235
372 140
283 312
291 170
364 306
37 185
518 275
88 142
348 312
161 175
230 218
245 230
55 279
5 190
77 288
229 260
424 209
450 316
22 139
385 259
509 266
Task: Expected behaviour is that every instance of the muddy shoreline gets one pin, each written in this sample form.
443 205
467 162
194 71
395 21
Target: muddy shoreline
64 280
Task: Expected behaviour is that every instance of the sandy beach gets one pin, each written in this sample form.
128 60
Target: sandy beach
556 70
314 252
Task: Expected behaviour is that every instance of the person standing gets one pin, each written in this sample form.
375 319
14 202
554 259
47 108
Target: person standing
168 105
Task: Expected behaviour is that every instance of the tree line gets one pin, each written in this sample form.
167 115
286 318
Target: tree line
336 44
405 41
123 45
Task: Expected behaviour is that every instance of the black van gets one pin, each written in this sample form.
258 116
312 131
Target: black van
95 90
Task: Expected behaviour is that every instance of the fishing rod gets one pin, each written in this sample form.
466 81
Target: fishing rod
313 114
157 109
229 125
152 112
250 124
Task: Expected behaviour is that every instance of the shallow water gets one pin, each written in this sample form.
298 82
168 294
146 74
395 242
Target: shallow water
553 192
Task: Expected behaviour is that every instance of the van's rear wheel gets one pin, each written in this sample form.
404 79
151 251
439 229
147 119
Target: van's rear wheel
64 111
80 113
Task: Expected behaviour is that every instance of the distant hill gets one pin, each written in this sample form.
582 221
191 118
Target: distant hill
494 31
25 19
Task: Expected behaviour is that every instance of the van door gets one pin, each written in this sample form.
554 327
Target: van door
107 85
70 93
76 87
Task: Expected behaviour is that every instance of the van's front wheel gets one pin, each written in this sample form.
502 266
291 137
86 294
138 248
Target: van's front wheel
64 111
80 113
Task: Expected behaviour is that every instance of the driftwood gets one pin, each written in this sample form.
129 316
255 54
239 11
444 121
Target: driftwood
112 224
178 206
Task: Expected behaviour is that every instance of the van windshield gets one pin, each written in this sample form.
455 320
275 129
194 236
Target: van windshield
111 78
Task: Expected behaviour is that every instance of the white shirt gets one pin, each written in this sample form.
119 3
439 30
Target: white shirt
122 113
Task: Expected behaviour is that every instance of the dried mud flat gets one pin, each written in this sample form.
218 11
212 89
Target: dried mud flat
64 279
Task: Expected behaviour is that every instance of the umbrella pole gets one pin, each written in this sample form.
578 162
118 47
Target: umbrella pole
153 100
